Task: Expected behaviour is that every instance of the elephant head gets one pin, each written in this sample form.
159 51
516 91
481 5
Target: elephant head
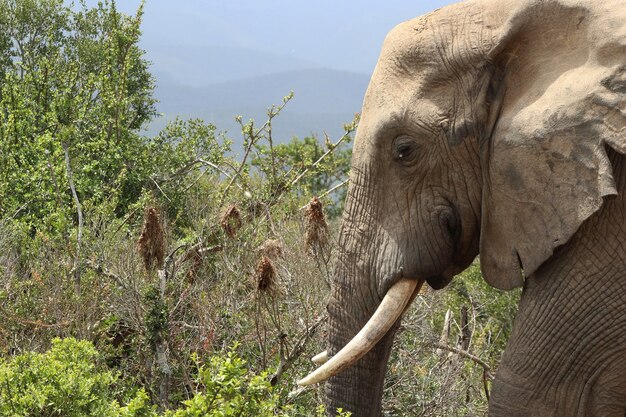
492 127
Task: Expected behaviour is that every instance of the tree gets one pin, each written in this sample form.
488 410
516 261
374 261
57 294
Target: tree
74 92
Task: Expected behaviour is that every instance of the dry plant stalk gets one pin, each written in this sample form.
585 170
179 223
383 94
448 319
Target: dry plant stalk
316 227
151 243
231 220
265 276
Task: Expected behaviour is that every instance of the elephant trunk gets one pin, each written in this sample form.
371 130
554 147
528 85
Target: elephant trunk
359 388
363 273
387 314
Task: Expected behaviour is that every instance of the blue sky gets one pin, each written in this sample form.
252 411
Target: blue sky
215 59
336 34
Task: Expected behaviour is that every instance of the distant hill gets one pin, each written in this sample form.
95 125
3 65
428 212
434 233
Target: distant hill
324 100
195 65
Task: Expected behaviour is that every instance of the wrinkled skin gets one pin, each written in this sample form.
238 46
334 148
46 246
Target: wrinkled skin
497 127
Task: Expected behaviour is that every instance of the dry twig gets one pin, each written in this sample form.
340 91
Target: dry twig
487 372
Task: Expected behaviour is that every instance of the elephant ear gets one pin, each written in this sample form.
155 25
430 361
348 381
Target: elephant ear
559 104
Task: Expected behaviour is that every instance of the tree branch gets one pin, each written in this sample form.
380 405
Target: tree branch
79 237
105 272
467 355
332 190
254 136
320 159
487 372
296 351
162 192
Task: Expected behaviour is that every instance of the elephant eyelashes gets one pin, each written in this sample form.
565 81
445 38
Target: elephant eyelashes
404 149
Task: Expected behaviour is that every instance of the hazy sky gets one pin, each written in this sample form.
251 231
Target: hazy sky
214 59
339 34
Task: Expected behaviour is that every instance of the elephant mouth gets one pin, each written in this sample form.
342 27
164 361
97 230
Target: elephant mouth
438 282
395 302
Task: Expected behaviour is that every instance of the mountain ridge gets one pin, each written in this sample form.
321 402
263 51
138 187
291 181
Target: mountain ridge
324 100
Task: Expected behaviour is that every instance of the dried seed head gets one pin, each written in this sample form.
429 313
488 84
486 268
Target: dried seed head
316 227
231 220
272 248
151 243
196 261
265 275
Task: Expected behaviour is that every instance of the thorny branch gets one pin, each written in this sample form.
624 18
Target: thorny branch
331 190
160 189
321 158
466 355
215 167
188 166
34 323
105 273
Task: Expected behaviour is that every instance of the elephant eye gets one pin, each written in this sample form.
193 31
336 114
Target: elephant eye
404 149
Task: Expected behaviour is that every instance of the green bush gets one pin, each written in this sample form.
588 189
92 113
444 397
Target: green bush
230 390
75 91
64 381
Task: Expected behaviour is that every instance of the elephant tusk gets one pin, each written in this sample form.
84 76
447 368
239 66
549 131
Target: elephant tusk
321 358
387 313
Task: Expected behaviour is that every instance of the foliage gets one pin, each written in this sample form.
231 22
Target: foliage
156 316
75 83
230 390
285 162
490 312
64 381
183 154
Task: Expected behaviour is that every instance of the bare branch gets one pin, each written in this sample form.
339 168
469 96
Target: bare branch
162 192
467 355
325 193
254 136
215 167
105 272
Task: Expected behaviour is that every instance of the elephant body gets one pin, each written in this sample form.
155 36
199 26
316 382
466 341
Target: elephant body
498 128
567 353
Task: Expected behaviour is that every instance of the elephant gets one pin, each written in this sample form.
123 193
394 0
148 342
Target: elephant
492 128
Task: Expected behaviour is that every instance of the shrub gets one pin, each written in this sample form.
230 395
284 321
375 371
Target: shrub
64 381
230 390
